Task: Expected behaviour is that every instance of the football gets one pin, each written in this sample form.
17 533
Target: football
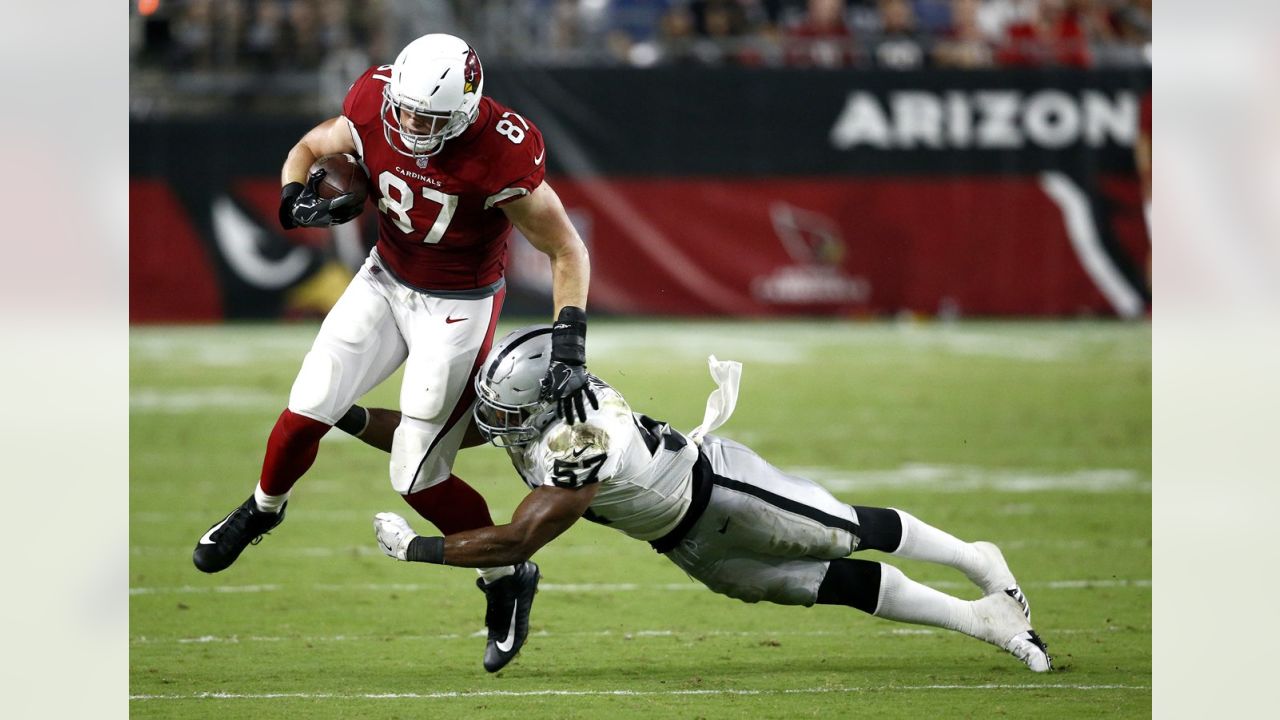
343 174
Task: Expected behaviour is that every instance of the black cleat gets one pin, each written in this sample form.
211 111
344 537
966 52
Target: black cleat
507 617
223 543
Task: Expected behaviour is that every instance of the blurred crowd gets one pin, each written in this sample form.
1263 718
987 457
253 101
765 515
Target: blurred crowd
891 34
256 35
310 35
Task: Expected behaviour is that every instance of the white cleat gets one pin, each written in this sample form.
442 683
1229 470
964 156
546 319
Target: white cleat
1031 650
1002 623
998 577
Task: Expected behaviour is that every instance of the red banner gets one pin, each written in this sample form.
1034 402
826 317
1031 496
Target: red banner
171 276
1034 245
981 246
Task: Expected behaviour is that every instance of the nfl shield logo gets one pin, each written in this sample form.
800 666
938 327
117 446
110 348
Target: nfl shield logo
422 162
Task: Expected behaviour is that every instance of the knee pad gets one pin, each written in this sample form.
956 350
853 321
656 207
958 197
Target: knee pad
414 469
314 392
425 391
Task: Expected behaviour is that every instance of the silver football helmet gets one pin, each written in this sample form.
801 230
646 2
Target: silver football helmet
510 410
437 80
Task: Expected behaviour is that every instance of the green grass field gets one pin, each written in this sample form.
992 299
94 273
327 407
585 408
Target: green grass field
1036 436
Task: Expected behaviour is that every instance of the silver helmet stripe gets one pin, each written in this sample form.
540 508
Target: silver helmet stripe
495 362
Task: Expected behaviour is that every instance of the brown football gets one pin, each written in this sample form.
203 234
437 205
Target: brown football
343 174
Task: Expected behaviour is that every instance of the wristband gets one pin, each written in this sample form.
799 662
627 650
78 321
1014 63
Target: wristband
425 549
569 336
354 422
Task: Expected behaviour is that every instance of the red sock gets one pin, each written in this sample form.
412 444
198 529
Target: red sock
452 506
291 449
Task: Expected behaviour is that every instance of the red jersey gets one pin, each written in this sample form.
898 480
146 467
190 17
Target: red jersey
440 226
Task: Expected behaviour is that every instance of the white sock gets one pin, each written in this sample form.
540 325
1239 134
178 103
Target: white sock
921 541
268 503
491 574
906 600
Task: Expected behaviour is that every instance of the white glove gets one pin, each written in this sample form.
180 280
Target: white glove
394 534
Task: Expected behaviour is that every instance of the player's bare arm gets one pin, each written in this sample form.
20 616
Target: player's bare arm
329 137
543 516
541 217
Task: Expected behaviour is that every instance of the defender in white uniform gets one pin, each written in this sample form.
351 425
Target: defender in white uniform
716 509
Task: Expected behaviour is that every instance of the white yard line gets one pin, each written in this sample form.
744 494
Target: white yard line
630 342
205 518
198 400
306 552
1083 584
625 693
371 550
971 479
622 635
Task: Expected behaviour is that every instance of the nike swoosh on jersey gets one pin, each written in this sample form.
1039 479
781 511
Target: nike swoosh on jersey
538 160
205 539
452 320
505 645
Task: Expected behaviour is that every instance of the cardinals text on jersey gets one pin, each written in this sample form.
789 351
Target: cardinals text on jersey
440 226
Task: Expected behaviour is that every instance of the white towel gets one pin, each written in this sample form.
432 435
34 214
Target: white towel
720 404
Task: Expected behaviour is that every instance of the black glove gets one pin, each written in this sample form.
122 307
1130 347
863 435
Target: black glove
302 206
288 195
566 380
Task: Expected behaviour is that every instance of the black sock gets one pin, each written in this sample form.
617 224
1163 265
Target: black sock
878 529
855 583
354 422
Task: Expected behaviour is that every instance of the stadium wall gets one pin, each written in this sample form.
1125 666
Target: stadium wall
705 191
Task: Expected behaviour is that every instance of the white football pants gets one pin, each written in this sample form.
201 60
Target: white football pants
765 535
375 326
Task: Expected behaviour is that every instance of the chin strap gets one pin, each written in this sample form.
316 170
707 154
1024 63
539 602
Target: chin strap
727 375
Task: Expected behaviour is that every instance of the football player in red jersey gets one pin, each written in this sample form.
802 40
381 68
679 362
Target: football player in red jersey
451 172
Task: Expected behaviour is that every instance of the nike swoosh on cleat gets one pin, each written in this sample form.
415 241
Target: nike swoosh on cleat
205 540
505 645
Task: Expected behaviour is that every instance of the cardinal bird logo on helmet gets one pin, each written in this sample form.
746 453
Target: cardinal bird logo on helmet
472 74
